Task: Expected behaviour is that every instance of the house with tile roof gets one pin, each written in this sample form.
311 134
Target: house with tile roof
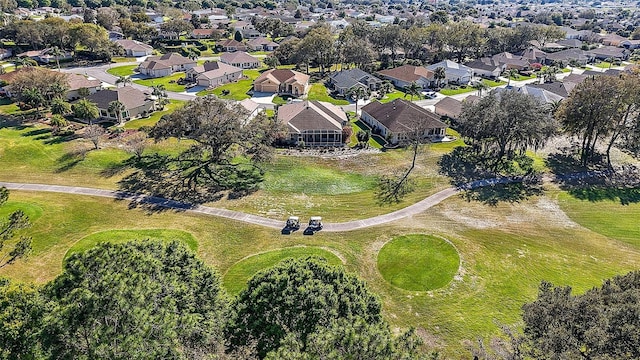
313 123
454 72
282 82
396 119
133 48
213 74
404 75
262 44
240 59
342 81
77 82
136 102
165 65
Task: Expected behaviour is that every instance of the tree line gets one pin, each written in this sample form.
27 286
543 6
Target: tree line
151 300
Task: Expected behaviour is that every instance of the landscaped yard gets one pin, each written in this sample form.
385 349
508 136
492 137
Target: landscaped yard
457 90
237 90
603 65
170 82
319 92
125 70
493 83
8 107
153 118
395 94
120 59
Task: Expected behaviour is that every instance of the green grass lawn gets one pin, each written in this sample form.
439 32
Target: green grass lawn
153 118
319 92
8 107
396 94
125 70
358 126
169 82
237 90
121 59
279 100
603 65
418 262
235 280
519 77
493 83
120 236
459 90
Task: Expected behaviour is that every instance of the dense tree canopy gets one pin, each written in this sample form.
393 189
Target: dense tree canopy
603 323
298 297
137 300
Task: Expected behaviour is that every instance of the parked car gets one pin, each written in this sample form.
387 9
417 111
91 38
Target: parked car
429 94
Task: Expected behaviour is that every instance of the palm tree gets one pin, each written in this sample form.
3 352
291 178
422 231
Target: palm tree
412 90
358 92
480 86
34 98
84 92
57 53
60 107
160 92
511 73
116 107
124 80
385 88
57 122
549 74
86 110
439 74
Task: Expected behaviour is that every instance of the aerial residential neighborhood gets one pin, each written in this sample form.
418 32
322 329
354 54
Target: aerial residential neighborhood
319 179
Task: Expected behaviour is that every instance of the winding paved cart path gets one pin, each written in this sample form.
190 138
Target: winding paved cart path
255 219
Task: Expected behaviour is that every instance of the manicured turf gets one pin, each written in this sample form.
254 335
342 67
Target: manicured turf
396 94
493 83
237 90
291 175
239 273
459 90
125 70
122 59
8 107
319 92
120 236
169 82
603 65
606 214
418 262
153 119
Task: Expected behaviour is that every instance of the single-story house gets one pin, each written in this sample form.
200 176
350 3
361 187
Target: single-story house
609 52
136 102
395 119
230 45
563 88
133 48
544 96
612 40
570 43
510 61
344 80
404 75
630 44
578 55
240 59
165 65
282 81
115 35
485 67
205 33
5 53
45 56
213 74
252 107
313 123
262 44
534 55
250 34
77 82
454 72
448 107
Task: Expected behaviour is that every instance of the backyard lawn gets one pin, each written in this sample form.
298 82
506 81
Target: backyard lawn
493 83
604 65
153 118
457 90
170 82
395 94
320 92
237 90
125 70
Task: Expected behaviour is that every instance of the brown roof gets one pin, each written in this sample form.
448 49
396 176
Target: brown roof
216 69
127 95
238 57
204 32
133 45
8 77
449 106
280 76
311 115
399 115
165 61
408 73
230 42
76 82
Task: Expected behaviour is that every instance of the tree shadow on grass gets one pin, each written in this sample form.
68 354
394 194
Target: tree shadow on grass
71 158
59 139
467 170
38 132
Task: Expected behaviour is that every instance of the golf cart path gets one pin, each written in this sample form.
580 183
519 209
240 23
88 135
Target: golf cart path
255 219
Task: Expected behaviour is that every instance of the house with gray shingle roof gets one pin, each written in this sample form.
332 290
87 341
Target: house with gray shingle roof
136 102
342 81
313 123
240 59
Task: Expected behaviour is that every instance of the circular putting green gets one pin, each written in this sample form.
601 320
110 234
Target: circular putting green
239 273
121 236
418 262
